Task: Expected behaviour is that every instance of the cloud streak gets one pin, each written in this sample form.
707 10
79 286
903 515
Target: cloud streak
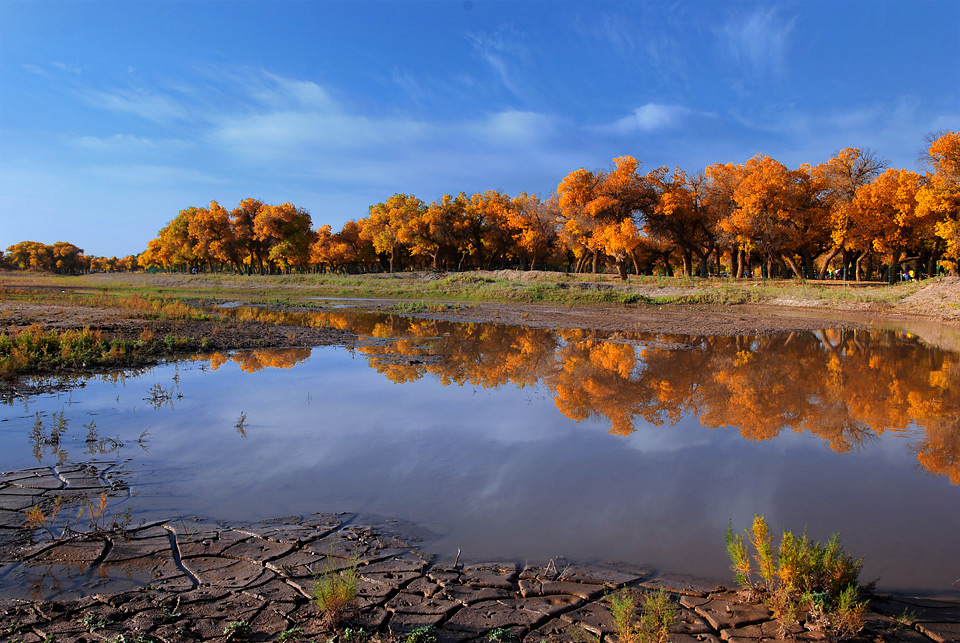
151 106
651 117
502 50
759 41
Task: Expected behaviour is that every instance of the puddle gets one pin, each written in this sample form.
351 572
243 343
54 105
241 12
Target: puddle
517 443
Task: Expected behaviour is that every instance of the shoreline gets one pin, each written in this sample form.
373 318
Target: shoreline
191 579
224 334
113 306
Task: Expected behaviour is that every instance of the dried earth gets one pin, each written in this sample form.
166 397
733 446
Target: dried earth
194 580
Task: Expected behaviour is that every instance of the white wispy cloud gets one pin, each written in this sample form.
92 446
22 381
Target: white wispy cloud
511 127
642 39
616 32
36 69
278 90
131 144
408 83
274 133
145 104
148 174
759 40
255 123
652 117
504 52
69 69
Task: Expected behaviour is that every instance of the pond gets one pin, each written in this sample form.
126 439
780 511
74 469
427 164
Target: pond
505 442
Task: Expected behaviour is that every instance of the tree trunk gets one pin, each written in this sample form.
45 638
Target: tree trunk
792 263
781 266
807 264
932 261
893 270
705 266
687 263
826 262
622 269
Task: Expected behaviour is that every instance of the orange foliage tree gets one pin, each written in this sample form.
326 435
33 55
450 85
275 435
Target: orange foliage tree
598 211
285 232
939 199
389 225
839 179
776 214
682 216
885 219
533 224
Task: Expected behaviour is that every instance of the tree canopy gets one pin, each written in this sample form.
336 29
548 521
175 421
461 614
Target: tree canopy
850 212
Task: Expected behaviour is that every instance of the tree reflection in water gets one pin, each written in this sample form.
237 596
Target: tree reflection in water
259 359
846 387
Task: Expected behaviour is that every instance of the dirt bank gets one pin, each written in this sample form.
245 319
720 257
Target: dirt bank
672 320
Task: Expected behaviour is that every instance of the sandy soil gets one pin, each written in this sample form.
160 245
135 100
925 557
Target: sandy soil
672 320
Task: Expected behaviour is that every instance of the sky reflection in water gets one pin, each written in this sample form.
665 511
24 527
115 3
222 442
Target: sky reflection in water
497 439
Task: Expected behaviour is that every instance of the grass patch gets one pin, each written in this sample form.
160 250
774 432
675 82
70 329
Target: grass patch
334 592
657 616
34 350
410 307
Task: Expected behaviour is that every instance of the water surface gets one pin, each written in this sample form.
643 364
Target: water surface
518 443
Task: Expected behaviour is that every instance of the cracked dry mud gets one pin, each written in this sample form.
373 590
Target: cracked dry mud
188 580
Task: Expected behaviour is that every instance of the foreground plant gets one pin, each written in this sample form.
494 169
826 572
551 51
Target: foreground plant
502 635
237 630
45 516
657 616
38 518
422 634
802 575
334 593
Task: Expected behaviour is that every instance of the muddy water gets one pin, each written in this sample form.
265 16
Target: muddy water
508 442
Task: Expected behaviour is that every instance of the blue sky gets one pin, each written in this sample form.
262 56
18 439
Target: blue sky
116 115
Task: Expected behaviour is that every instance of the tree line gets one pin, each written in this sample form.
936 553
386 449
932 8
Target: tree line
852 213
62 258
